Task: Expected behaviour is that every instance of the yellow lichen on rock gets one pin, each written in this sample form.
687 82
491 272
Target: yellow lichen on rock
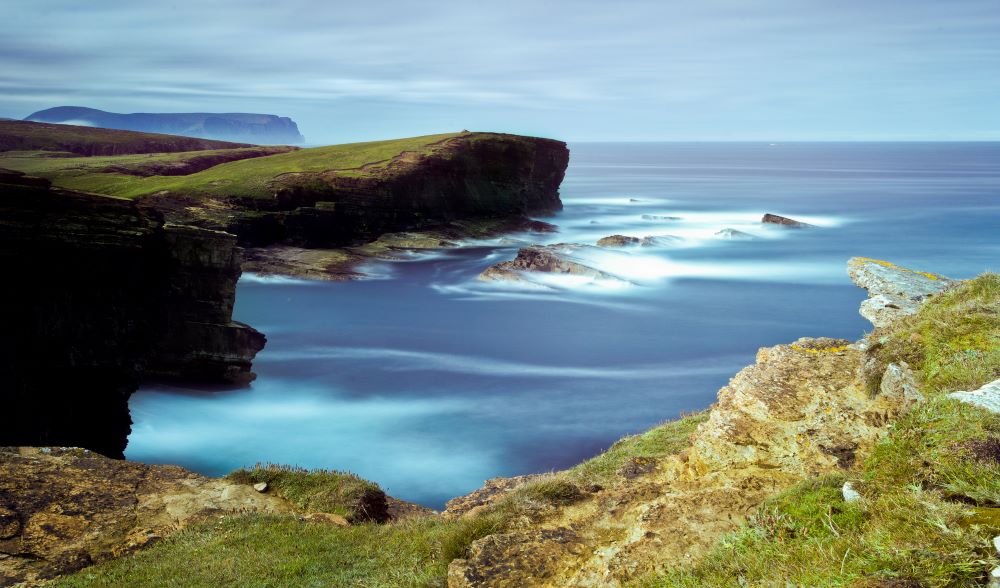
801 410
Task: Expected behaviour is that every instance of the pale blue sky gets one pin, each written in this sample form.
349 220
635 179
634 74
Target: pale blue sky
577 70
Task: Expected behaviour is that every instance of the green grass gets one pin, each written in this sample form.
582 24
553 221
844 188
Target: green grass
953 343
246 178
660 441
268 551
311 490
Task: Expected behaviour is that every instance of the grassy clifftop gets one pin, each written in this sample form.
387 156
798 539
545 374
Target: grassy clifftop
32 136
244 178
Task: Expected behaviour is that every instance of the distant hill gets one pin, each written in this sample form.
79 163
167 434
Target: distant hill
19 135
238 127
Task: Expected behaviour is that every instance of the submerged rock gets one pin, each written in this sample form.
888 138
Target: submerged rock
660 240
734 235
774 219
618 241
657 217
894 291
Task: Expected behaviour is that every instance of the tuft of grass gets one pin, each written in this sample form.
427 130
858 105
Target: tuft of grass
331 491
953 342
277 551
662 440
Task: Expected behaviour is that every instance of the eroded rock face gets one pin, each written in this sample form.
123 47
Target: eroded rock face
893 291
64 509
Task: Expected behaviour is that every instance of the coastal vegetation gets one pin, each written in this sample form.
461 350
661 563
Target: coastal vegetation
927 506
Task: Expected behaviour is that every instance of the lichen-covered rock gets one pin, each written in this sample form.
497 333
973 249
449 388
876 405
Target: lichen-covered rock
491 491
64 509
894 291
802 410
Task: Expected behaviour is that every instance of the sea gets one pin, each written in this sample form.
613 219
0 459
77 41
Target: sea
428 381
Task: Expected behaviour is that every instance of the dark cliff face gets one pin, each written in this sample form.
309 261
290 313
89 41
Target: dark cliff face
233 126
99 294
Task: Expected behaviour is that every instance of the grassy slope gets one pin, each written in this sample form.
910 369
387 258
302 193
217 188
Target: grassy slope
24 135
931 497
249 177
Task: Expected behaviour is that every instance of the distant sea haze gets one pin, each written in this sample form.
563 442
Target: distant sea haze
429 381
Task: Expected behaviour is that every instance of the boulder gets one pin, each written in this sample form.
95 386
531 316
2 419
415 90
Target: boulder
774 219
894 291
618 241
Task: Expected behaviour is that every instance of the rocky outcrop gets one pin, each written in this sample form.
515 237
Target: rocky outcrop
774 219
103 293
541 260
802 410
239 126
893 291
65 509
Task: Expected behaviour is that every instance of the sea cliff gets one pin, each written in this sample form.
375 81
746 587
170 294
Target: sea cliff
102 293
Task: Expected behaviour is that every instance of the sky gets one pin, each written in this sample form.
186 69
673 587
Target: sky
580 70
